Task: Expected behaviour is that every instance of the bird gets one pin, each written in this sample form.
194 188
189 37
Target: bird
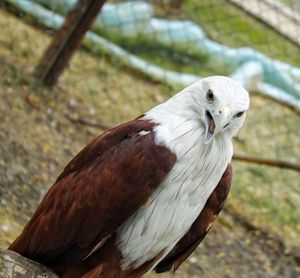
142 196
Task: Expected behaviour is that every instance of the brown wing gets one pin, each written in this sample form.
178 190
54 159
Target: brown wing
98 190
200 227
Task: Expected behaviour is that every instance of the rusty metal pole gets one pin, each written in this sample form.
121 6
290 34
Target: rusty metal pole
66 40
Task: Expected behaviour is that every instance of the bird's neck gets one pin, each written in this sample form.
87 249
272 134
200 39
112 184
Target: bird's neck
184 135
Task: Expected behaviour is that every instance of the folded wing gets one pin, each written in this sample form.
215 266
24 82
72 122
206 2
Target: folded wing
98 190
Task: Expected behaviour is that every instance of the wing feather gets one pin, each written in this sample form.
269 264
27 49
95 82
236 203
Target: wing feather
98 190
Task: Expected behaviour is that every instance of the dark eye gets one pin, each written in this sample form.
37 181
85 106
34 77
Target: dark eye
239 114
209 95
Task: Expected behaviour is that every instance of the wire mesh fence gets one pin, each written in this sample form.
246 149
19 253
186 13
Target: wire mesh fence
139 53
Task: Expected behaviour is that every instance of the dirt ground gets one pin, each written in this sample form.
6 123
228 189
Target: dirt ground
41 129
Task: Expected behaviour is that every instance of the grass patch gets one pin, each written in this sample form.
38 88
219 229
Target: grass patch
227 24
270 195
174 57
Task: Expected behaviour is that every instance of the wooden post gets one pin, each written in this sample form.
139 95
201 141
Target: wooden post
66 40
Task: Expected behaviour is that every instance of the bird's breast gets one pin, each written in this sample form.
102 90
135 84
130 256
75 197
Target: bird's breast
173 207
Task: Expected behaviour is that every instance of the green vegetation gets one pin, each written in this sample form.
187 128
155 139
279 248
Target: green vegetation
227 24
222 21
170 56
269 195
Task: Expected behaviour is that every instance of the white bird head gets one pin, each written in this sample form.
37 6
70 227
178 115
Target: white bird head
219 103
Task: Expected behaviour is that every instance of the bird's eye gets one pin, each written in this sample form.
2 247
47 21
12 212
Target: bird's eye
209 95
239 114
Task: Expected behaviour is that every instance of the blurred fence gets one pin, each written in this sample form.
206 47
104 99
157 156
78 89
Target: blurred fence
177 42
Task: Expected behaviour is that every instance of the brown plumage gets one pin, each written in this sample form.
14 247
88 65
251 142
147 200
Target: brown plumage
94 195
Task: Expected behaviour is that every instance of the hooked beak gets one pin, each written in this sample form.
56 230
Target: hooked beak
217 123
210 127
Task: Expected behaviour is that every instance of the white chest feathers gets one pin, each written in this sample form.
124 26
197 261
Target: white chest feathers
178 201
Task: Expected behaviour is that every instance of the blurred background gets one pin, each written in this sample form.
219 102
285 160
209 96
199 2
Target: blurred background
138 54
